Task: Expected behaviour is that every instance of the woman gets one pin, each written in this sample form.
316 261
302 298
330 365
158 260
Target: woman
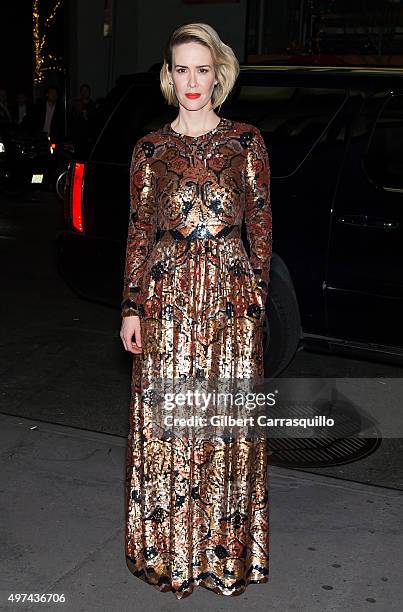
193 308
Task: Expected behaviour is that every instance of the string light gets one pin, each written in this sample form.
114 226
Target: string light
44 62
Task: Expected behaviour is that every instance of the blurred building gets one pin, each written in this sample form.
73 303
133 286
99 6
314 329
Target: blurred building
94 41
337 32
112 37
106 38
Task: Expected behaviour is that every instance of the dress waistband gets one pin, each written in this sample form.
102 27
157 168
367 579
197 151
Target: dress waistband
201 233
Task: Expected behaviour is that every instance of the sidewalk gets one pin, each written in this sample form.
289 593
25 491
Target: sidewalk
335 545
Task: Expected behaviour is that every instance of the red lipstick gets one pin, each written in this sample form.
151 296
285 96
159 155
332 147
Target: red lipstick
192 96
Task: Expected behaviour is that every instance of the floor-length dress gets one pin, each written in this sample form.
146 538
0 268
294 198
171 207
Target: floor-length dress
197 509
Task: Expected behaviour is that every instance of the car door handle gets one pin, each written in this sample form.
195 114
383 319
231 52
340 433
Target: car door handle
365 221
351 219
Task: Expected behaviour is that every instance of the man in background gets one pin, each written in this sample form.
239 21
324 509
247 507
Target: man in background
48 116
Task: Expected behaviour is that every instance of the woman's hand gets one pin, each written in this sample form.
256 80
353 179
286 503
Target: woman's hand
131 326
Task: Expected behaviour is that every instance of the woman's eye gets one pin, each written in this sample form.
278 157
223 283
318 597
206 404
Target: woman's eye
183 70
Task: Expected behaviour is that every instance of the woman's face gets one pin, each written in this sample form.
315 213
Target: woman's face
192 73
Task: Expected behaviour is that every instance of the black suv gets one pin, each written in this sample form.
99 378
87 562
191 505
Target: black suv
334 138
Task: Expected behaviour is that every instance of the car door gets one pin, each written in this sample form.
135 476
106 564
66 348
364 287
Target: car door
302 120
364 283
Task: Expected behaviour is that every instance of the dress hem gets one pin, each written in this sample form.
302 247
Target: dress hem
165 586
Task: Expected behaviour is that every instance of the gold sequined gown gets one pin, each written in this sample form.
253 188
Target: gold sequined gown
197 510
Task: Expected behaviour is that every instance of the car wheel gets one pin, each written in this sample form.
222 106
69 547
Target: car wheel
281 327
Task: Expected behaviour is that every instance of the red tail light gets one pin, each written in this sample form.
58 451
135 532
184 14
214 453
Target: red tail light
77 197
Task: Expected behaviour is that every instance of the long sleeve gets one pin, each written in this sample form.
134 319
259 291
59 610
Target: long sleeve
142 224
258 215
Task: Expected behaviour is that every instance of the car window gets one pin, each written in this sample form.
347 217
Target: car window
384 158
291 119
140 110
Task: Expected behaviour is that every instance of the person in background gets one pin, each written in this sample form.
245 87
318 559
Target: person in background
4 110
21 108
82 110
83 106
48 116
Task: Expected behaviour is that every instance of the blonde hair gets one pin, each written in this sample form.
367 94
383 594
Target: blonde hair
226 65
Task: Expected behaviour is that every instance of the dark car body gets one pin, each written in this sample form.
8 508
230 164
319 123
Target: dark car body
24 156
334 138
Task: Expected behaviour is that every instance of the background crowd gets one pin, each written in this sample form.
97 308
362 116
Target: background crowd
61 121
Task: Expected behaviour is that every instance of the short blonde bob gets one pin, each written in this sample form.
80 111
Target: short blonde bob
226 65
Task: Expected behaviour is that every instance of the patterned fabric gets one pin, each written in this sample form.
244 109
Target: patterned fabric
197 509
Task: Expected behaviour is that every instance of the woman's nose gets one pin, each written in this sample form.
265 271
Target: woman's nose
192 81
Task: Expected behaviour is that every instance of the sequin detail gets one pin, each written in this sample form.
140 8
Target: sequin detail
197 510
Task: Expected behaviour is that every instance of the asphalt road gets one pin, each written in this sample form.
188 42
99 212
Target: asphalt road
61 358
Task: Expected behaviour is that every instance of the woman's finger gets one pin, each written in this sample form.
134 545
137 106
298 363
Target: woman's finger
131 327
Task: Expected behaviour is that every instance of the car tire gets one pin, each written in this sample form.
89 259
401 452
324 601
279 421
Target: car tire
282 330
